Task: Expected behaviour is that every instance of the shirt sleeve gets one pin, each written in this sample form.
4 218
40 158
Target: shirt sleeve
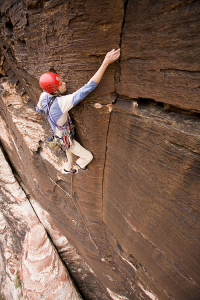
83 92
39 107
69 101
65 103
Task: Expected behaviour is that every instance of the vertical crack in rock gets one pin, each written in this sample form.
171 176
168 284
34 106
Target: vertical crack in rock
105 157
117 79
123 23
118 70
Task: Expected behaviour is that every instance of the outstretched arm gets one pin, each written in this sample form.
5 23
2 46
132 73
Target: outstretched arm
110 57
79 95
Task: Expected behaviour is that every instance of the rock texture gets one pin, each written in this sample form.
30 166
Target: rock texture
128 228
43 274
160 50
30 265
159 210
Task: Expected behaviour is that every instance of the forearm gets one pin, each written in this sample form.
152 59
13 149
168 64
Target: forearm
110 57
99 74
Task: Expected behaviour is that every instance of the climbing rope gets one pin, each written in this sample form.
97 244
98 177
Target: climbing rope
80 214
60 187
71 196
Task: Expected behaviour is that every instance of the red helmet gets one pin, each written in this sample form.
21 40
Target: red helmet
49 82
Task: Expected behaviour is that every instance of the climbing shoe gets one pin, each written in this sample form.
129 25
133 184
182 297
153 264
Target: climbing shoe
84 168
73 171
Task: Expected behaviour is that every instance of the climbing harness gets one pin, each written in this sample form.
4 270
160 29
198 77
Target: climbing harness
67 131
62 128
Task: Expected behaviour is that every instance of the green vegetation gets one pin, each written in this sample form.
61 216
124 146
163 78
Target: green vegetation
2 297
17 281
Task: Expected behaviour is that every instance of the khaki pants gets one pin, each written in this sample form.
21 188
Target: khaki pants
85 156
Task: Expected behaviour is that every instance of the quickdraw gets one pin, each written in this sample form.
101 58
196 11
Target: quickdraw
66 141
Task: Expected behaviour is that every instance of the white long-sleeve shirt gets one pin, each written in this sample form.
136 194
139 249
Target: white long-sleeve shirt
62 104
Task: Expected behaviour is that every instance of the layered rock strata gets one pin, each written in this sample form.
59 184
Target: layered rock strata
31 267
160 50
159 191
133 222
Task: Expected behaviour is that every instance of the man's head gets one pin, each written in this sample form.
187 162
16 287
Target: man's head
50 82
62 86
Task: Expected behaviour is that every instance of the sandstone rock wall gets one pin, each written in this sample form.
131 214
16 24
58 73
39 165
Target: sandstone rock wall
160 51
30 266
134 218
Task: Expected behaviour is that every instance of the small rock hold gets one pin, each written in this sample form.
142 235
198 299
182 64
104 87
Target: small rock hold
135 104
110 107
97 105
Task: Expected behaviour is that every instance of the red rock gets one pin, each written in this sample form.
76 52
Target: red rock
47 274
153 193
160 50
40 264
12 271
136 230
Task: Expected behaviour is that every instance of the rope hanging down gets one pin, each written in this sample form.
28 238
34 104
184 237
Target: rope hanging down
71 196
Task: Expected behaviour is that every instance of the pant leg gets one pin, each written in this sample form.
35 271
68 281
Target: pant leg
69 164
85 156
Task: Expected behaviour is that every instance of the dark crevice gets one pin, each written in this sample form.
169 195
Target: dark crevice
179 110
105 157
17 176
9 25
117 80
122 271
118 69
34 5
142 102
39 149
131 58
123 23
7 158
184 275
168 71
22 42
52 70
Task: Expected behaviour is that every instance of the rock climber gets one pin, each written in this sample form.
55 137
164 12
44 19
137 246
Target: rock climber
56 107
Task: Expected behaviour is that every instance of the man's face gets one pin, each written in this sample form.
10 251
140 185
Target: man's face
62 86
